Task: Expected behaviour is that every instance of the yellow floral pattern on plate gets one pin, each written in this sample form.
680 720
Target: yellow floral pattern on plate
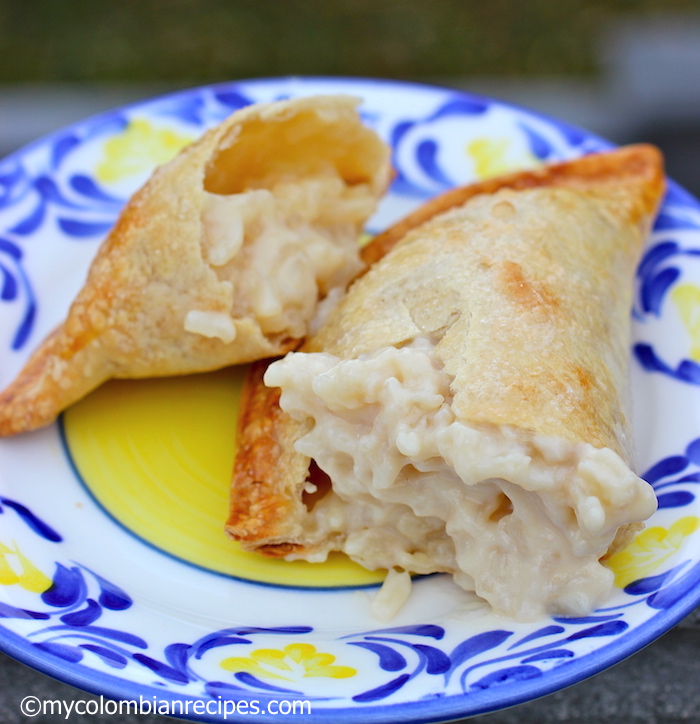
687 300
23 572
291 663
139 148
495 156
649 550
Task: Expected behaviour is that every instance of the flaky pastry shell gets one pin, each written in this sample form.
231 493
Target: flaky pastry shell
519 288
185 281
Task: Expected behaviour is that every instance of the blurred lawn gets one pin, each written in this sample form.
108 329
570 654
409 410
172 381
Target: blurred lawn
211 40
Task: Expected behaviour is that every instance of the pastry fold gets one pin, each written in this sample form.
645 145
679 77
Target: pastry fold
465 407
221 257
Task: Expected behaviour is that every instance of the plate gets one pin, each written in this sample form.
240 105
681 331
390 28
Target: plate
114 575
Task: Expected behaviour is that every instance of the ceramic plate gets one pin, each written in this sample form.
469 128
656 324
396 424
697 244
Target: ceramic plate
115 575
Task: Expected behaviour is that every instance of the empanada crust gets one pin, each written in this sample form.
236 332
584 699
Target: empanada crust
430 285
128 321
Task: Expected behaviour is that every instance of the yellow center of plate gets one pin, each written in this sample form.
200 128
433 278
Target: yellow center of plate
158 455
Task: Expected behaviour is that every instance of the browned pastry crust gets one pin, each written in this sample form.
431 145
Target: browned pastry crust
170 293
262 444
640 162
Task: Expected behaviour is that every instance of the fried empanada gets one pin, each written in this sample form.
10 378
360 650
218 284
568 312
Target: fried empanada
221 257
465 407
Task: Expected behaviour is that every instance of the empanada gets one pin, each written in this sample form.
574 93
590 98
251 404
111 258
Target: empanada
466 404
220 258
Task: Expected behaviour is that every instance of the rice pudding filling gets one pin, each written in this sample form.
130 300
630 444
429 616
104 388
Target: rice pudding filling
520 518
281 245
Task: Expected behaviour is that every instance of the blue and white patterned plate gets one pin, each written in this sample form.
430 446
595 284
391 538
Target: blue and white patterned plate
85 599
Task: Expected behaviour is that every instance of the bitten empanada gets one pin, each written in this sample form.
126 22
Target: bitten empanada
221 257
465 407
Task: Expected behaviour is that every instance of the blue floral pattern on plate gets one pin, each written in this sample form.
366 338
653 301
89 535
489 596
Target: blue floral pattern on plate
86 602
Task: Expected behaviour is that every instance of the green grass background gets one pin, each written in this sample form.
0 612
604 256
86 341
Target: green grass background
210 40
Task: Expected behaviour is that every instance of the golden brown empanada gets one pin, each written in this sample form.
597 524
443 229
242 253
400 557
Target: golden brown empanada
466 404
220 258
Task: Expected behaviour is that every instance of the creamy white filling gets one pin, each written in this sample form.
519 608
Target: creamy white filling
520 518
211 324
285 245
392 595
